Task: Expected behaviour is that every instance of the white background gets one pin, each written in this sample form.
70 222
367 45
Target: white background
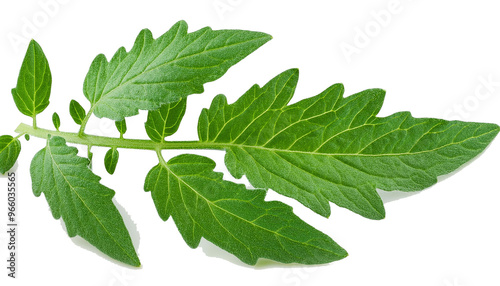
432 57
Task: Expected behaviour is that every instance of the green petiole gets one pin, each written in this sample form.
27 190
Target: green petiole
102 141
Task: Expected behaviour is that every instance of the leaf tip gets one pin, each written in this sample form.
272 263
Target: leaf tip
182 23
343 255
266 37
496 127
379 214
378 92
145 34
293 71
135 262
33 43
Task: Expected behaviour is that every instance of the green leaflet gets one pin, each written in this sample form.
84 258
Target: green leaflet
32 92
77 112
90 156
56 121
238 220
121 126
165 121
164 70
111 160
75 194
329 148
10 148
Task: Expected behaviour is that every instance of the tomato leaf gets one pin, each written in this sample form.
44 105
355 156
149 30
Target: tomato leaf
164 70
238 220
34 83
75 194
10 148
165 121
328 148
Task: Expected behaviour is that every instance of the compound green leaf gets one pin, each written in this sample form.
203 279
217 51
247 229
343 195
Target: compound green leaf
75 194
236 219
328 148
77 112
10 148
32 92
164 70
165 121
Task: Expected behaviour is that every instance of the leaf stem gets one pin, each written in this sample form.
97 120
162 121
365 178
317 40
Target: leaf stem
93 140
19 136
81 132
160 158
